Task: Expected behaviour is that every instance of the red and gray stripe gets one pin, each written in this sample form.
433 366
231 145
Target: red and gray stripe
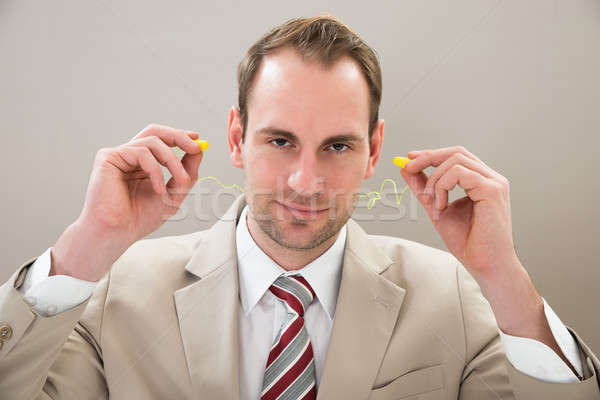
290 370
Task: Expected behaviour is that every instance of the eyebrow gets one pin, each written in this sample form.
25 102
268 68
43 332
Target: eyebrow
344 137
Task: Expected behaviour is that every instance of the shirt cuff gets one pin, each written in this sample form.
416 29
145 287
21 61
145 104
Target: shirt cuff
51 295
537 360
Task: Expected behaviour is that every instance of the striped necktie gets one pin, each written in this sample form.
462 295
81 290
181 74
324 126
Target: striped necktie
290 371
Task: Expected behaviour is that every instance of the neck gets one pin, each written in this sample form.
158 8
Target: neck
286 258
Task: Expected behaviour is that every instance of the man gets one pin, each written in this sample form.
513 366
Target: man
286 297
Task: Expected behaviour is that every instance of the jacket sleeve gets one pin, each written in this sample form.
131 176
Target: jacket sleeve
489 375
57 357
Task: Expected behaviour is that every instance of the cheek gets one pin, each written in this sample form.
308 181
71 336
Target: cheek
264 170
345 179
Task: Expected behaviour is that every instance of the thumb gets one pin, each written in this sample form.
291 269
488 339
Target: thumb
416 183
177 191
191 163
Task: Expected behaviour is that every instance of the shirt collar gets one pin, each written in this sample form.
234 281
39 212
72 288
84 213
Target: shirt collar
257 271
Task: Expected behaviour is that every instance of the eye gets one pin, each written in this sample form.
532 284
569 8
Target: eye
279 141
338 150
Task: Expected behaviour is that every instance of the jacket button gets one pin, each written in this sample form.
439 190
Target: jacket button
5 333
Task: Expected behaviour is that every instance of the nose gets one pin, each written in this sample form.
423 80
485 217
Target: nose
305 178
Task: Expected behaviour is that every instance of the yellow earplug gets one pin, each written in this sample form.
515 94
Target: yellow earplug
202 143
401 161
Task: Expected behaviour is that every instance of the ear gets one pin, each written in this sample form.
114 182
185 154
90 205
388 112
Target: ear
375 148
234 137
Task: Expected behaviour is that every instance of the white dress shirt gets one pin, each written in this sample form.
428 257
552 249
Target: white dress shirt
261 313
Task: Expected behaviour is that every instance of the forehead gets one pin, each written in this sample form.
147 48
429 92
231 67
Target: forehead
288 90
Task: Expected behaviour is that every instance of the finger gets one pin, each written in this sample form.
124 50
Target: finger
455 159
429 158
181 138
164 155
471 181
142 157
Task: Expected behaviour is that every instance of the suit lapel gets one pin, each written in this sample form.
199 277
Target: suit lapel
207 311
366 313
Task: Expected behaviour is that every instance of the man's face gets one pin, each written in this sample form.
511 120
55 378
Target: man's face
306 146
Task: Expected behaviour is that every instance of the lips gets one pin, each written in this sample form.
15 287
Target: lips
301 210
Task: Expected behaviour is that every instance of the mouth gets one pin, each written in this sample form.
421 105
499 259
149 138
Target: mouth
305 212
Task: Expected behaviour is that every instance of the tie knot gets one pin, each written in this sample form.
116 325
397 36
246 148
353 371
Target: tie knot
295 291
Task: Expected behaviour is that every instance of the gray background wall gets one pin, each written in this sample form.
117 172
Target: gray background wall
515 82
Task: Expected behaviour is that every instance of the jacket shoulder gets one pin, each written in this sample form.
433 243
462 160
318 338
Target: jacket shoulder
156 262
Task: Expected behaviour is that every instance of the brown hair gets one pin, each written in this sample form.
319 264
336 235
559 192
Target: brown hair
322 38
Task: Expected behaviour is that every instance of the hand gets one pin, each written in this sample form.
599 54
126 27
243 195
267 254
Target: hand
477 228
127 192
127 199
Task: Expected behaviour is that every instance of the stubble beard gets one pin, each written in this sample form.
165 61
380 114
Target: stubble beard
273 225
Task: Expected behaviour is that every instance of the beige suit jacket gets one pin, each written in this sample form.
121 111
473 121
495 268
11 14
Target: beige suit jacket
410 323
